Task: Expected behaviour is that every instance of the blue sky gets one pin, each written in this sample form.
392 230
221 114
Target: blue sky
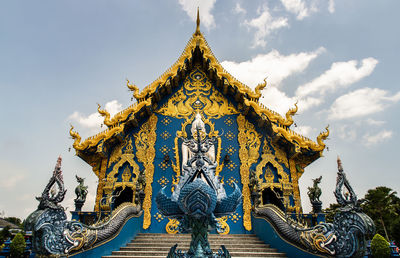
59 58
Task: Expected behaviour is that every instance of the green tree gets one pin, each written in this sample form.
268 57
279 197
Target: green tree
331 211
17 246
382 205
395 231
380 247
14 220
4 234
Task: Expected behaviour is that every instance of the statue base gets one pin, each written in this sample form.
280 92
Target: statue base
78 204
316 207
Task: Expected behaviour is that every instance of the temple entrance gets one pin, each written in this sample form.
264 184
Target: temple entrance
271 197
122 196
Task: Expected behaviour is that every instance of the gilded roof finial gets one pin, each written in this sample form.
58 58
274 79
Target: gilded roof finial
198 23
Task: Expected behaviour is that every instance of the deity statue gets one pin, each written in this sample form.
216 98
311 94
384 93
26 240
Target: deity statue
199 197
197 125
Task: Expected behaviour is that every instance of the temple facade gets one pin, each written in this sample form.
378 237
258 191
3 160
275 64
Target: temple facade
143 149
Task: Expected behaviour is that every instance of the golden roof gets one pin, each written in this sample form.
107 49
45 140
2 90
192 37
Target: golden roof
150 95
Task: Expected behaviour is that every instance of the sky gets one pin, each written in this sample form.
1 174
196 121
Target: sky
58 59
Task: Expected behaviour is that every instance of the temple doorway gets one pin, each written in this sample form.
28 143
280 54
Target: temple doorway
122 196
271 197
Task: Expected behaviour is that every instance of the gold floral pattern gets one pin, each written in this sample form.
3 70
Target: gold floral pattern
231 181
228 121
165 135
163 181
235 217
230 150
229 135
158 216
166 121
231 165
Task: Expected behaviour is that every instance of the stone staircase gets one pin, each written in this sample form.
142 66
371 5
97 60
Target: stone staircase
158 245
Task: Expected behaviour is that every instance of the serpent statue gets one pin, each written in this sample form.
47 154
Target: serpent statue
53 234
198 200
345 237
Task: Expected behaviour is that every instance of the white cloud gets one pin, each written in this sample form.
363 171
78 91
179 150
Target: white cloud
277 100
10 181
274 65
303 130
91 121
361 102
94 120
347 132
371 121
299 8
239 9
265 24
331 6
341 74
205 7
377 138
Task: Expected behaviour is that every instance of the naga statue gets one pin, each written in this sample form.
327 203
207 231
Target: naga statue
53 234
314 193
198 199
345 237
81 192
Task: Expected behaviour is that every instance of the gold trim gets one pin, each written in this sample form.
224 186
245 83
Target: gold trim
172 226
296 188
302 141
249 142
145 141
100 186
225 229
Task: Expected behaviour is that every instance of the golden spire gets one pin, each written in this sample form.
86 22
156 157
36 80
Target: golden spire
198 23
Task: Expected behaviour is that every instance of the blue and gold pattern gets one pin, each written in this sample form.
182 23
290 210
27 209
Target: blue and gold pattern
165 135
231 165
164 150
228 121
230 135
235 217
231 181
163 181
158 216
166 121
230 150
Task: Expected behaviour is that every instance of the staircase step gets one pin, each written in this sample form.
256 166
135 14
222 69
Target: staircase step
214 248
158 245
186 245
159 253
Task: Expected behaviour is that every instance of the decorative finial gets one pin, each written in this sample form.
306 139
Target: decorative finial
198 23
339 164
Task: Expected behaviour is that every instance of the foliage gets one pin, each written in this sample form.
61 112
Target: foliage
330 212
380 247
14 220
395 231
382 205
4 234
18 246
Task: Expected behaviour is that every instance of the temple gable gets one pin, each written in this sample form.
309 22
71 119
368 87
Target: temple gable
143 150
